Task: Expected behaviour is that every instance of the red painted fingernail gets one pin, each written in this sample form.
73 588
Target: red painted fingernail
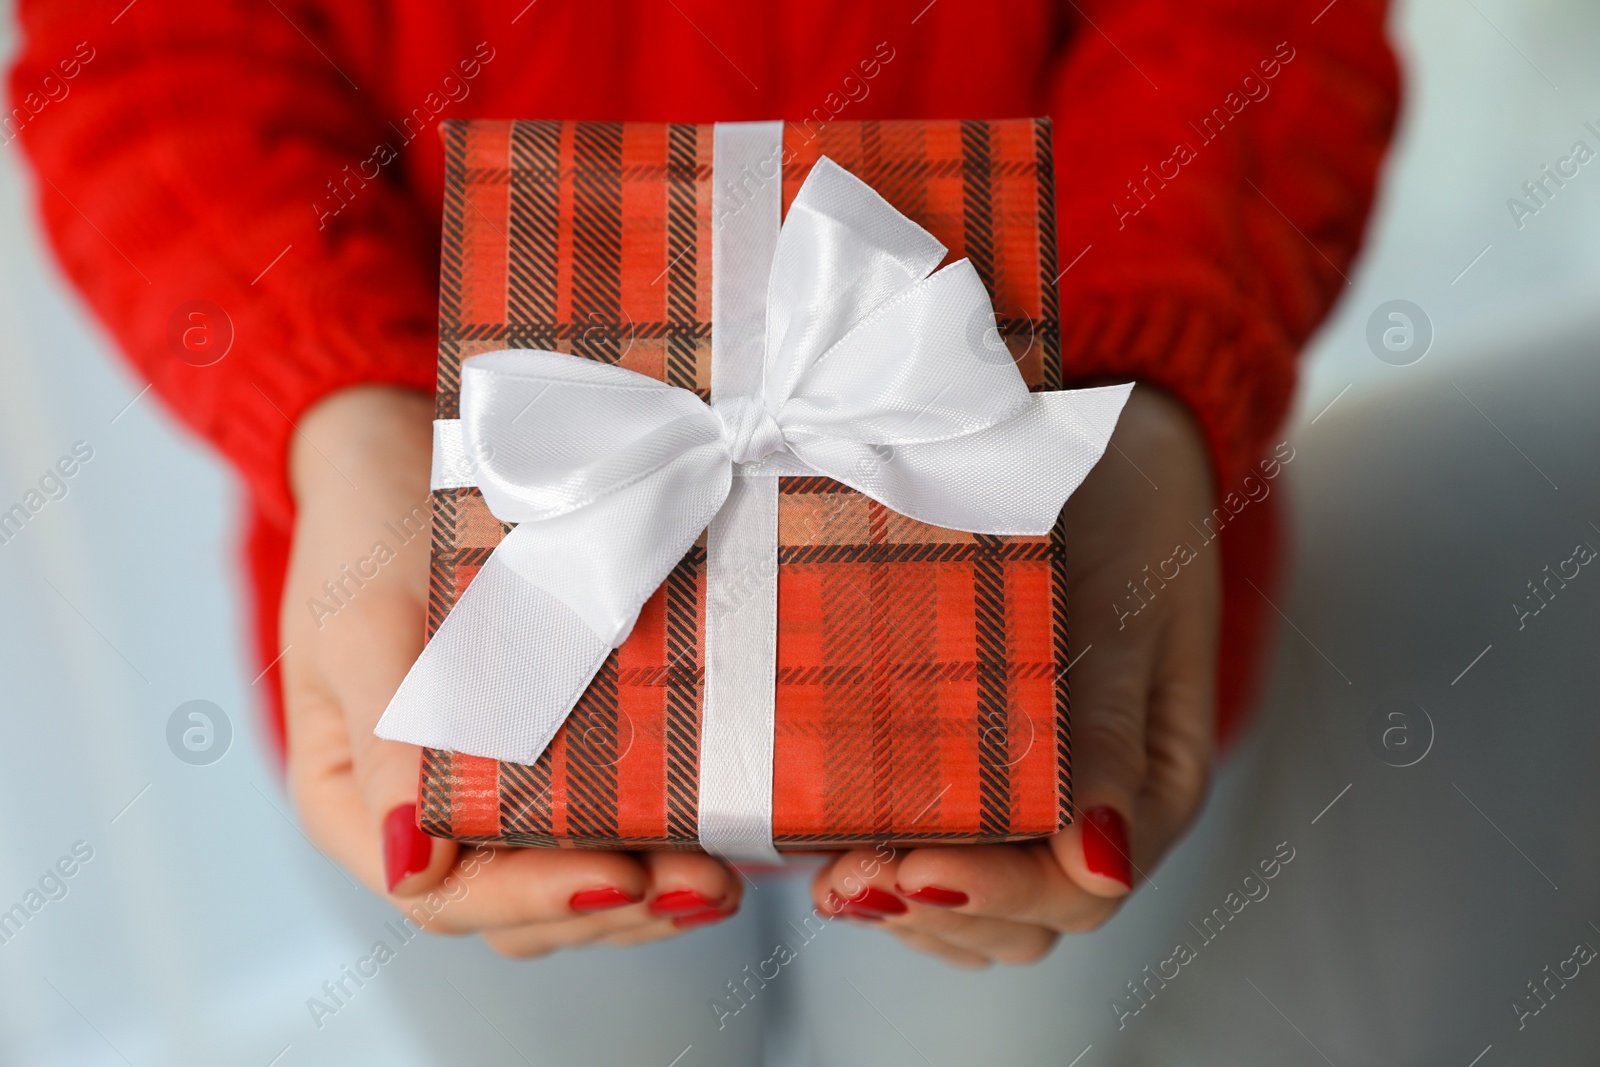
406 849
938 896
878 902
681 902
702 918
603 899
837 905
1105 844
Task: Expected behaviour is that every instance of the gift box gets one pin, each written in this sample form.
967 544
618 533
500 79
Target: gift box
921 689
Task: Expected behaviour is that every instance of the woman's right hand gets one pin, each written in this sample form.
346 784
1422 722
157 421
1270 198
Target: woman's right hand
360 459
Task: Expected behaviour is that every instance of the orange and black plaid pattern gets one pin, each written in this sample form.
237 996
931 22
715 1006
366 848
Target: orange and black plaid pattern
922 685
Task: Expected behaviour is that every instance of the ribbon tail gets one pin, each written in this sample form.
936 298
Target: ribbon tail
526 637
1089 415
1011 478
739 705
487 683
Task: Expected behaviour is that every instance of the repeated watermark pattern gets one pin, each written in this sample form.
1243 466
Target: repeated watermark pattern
744 988
740 189
1254 488
199 332
1540 595
339 991
350 181
340 591
1541 190
853 89
53 885
1400 732
1399 332
1144 188
1253 889
1543 989
52 89
53 485
199 732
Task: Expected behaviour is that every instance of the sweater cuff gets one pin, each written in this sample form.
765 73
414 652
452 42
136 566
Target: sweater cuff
356 325
1234 371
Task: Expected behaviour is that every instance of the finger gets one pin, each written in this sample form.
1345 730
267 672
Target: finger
341 664
1110 691
698 890
859 884
933 946
690 886
1020 883
1111 586
1000 940
374 828
658 930
336 812
413 861
385 772
532 940
1180 738
505 887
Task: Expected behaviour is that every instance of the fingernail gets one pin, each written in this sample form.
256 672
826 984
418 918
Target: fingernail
1105 844
603 899
837 905
681 902
406 849
702 918
878 902
938 896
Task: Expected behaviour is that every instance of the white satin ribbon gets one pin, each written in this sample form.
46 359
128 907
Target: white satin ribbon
874 369
739 693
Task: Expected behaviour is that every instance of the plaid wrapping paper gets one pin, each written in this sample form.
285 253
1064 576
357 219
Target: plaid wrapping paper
922 686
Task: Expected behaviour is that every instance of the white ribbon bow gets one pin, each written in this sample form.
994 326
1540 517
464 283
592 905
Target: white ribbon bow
878 371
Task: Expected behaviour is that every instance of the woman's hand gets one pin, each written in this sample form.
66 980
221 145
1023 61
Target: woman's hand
352 623
1142 693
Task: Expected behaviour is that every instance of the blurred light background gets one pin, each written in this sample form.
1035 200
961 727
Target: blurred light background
204 920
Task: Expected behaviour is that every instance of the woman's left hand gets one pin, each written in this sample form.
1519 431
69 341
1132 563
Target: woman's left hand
1142 721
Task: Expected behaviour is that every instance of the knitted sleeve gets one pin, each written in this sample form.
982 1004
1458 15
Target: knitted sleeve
181 152
1217 161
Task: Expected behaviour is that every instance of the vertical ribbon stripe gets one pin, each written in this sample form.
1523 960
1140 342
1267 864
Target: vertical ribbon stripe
741 620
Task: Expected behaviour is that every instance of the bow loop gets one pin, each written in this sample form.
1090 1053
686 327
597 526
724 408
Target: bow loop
843 252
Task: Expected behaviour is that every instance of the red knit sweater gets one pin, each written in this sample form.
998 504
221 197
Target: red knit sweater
1216 161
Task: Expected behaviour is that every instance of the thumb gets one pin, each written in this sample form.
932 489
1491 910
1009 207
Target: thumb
388 775
1109 764
386 638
